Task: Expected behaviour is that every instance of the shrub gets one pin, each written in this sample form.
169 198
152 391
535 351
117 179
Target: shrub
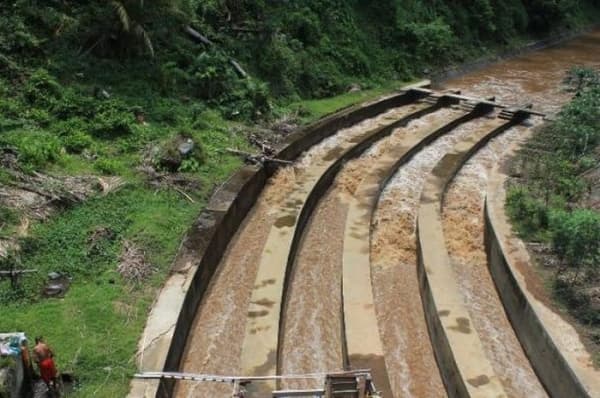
576 238
112 120
211 75
77 142
250 100
530 214
432 42
108 166
10 108
279 63
304 26
42 89
320 79
35 148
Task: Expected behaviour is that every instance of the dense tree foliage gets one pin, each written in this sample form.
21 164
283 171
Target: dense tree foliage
308 48
57 58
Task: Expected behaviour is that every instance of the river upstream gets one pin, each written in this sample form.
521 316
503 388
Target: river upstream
312 338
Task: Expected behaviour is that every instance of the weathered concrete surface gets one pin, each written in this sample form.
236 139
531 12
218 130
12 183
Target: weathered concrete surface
559 358
465 369
260 350
363 342
182 291
173 312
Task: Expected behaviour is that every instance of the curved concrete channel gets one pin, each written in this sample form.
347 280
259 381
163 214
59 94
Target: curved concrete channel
260 349
201 263
463 222
364 348
563 364
349 259
241 265
313 337
302 299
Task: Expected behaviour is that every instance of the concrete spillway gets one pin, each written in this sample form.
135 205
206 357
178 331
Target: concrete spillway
323 273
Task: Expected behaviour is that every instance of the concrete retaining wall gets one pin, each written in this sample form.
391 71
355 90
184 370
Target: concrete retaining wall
173 313
549 364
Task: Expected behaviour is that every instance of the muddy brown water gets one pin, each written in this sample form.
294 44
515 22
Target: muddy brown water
409 355
215 342
312 338
533 78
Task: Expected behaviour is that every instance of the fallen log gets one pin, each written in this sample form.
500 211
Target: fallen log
197 36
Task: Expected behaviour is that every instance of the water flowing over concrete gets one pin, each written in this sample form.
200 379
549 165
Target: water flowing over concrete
360 225
463 228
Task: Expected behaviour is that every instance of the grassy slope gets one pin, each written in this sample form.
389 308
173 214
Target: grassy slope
95 328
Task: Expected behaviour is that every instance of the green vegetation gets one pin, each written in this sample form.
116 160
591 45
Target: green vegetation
114 88
552 203
95 328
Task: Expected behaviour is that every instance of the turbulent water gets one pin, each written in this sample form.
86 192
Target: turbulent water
409 356
312 337
464 228
215 342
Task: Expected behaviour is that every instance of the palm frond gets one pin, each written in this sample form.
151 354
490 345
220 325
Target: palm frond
141 34
122 14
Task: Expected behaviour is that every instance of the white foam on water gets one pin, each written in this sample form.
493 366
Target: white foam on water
464 228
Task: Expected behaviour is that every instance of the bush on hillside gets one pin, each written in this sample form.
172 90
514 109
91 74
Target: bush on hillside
531 212
431 42
35 148
42 89
576 238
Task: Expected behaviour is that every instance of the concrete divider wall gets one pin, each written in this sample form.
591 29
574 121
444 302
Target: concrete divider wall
208 238
453 380
325 182
549 364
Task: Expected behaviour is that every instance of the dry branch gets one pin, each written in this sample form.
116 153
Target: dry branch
258 159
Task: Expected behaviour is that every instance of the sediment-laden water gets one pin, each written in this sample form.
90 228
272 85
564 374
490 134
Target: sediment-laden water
312 338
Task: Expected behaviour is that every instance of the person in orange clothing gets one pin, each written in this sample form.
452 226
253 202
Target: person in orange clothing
44 357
